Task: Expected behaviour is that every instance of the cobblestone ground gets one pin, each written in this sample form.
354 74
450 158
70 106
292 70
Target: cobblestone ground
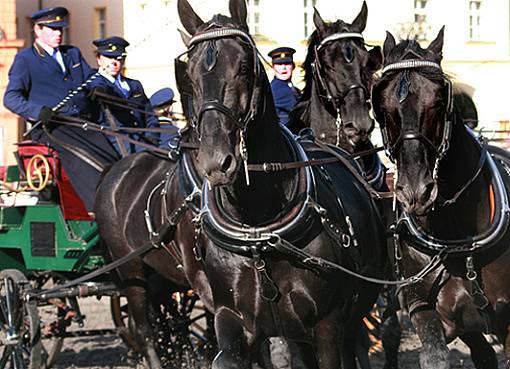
108 351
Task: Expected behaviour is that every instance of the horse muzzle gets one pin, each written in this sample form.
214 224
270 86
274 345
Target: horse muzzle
219 168
416 200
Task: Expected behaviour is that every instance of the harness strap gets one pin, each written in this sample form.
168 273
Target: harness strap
319 265
96 273
113 124
481 163
277 167
351 168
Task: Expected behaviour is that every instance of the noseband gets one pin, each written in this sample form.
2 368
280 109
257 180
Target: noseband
408 135
323 88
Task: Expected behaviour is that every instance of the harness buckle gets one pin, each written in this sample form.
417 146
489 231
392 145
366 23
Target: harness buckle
346 240
470 269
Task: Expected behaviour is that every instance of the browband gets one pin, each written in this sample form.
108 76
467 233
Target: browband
409 64
338 36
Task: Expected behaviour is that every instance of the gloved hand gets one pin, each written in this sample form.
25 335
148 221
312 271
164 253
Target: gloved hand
46 114
94 93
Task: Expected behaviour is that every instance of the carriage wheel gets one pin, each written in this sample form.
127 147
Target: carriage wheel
53 329
20 343
123 323
184 332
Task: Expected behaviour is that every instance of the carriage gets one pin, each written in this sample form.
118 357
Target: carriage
48 245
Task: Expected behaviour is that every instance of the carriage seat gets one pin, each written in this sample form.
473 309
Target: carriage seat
71 204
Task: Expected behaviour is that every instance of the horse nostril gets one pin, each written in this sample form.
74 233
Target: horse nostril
427 193
349 125
226 163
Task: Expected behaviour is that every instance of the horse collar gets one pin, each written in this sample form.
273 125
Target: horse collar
431 245
239 238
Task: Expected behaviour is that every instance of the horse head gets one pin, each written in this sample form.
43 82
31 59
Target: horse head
343 69
412 102
226 76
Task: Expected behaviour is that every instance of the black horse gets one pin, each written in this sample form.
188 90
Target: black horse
339 73
268 240
453 208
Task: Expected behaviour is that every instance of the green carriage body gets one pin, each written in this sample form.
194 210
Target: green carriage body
39 238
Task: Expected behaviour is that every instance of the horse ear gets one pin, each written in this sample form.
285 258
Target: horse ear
389 44
436 46
189 19
375 58
359 24
184 37
317 20
238 11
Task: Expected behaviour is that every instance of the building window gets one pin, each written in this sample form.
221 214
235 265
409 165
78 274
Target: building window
254 16
309 27
475 21
100 22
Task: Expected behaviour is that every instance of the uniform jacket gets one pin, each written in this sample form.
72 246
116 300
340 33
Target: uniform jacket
125 117
285 96
36 80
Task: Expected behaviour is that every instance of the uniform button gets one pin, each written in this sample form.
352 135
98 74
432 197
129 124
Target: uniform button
65 78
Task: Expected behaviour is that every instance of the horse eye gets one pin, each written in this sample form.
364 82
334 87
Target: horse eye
243 69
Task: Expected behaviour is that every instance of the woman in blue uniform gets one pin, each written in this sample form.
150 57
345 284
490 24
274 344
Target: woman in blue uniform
285 94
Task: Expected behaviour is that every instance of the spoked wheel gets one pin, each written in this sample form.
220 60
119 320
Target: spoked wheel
183 329
20 343
184 332
53 329
54 320
123 323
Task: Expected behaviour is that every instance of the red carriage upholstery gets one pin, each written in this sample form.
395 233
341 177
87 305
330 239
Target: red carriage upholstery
71 204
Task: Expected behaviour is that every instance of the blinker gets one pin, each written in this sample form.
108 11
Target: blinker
210 56
403 87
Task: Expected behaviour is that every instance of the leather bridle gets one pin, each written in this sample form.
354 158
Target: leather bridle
323 88
408 135
215 105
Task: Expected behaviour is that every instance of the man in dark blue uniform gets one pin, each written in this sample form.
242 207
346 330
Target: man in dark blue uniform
40 77
285 94
110 56
162 102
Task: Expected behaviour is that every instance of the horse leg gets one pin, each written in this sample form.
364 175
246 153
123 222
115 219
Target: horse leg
482 353
356 345
329 340
434 353
391 334
231 341
137 304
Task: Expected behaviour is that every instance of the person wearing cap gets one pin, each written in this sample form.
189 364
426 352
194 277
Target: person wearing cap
285 94
40 78
110 57
162 103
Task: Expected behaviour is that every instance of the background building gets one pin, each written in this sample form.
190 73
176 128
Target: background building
476 49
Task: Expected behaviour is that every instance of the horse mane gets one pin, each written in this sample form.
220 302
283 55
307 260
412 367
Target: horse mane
313 41
410 49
